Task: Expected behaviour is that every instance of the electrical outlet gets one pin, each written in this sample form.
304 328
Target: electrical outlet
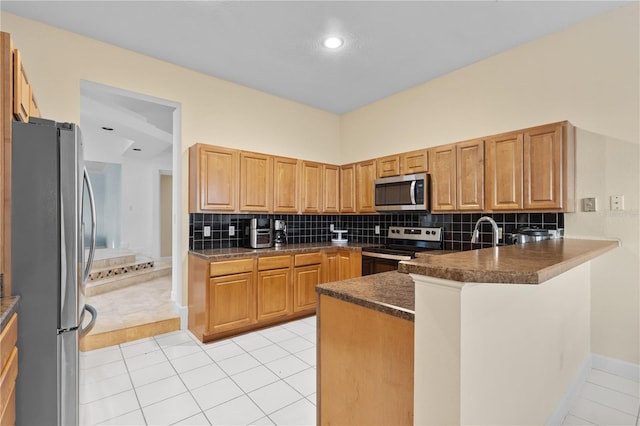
499 233
617 202
331 227
232 230
589 204
377 230
207 231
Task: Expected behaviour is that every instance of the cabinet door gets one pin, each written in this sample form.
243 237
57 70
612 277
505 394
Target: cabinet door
330 268
213 175
349 264
414 162
21 89
543 168
470 175
503 169
388 166
34 109
285 185
305 280
255 182
274 293
365 175
231 302
442 166
311 187
348 188
331 188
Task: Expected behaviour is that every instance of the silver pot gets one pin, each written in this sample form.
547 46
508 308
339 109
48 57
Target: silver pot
530 235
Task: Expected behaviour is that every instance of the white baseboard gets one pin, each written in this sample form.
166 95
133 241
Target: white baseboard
618 367
183 311
570 394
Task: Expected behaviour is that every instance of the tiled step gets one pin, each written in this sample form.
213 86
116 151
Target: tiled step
121 276
115 337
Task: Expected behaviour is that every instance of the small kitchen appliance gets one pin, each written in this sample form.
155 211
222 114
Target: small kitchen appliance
403 243
279 233
49 270
259 233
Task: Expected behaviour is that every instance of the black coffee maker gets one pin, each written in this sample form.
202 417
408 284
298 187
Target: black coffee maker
280 233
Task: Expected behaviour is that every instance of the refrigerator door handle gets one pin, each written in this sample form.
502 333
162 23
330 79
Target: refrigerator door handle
92 248
94 315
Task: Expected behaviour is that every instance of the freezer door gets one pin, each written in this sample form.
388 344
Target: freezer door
71 181
68 378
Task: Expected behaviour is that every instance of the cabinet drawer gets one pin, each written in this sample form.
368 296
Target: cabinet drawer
274 262
8 339
230 267
9 412
8 378
308 259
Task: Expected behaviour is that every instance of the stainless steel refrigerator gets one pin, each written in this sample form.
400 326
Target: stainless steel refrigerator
49 268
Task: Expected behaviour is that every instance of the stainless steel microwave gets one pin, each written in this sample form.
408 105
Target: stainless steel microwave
409 192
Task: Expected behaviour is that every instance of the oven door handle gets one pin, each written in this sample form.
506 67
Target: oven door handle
386 256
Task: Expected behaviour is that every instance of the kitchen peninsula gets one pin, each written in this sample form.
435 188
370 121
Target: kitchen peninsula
487 332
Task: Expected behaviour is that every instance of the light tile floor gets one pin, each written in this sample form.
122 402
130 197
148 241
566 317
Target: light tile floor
262 378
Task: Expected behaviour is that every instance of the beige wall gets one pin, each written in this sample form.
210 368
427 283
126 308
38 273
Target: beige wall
588 74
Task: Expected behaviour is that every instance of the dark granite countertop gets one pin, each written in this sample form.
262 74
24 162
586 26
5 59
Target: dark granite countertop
8 305
236 252
532 263
392 293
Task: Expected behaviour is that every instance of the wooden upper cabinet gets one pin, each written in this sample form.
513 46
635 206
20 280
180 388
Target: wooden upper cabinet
442 166
256 171
213 178
34 109
414 162
21 89
470 175
348 188
388 166
503 171
549 168
311 187
365 175
286 193
331 188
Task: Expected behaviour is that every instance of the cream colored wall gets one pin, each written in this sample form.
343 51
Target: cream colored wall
214 111
605 167
498 354
588 74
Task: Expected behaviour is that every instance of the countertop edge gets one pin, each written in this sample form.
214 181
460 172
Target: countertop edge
237 252
8 306
495 276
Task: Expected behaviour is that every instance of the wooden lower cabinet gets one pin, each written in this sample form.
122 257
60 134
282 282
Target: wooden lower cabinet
274 287
9 371
234 296
365 365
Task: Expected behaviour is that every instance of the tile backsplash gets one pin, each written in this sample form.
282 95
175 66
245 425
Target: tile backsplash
361 228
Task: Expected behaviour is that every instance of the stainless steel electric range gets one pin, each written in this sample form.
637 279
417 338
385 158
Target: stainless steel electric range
403 242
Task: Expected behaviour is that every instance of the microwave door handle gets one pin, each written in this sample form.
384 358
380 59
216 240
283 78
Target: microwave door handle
412 192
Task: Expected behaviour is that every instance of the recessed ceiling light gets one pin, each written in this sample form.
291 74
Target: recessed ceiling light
333 42
108 129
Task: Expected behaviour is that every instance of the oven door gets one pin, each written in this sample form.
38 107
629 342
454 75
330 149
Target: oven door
375 263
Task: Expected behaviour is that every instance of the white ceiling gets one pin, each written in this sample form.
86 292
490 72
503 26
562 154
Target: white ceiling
275 47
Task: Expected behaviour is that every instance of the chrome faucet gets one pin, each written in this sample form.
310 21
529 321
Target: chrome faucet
476 233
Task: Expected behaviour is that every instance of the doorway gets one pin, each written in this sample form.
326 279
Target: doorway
140 135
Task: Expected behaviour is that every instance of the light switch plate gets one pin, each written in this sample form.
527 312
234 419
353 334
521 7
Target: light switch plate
232 230
589 204
207 231
377 230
